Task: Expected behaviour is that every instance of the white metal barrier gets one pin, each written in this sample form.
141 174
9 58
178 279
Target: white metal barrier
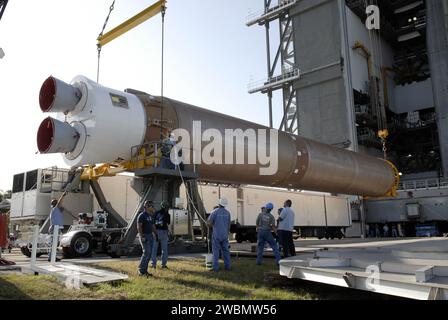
53 248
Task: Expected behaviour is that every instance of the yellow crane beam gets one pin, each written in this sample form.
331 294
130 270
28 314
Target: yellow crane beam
131 23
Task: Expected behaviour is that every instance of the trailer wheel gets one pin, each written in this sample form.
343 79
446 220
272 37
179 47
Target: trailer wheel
253 238
113 238
67 253
26 252
239 238
81 245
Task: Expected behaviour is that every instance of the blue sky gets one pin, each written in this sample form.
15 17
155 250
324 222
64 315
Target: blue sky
210 58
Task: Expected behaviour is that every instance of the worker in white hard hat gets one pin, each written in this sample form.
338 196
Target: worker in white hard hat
220 221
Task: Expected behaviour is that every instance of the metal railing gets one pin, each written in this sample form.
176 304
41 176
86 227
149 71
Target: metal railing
255 17
421 120
54 179
286 76
424 184
157 155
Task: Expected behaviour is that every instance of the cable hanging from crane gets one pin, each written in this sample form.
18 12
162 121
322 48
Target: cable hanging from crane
99 46
162 71
376 62
127 25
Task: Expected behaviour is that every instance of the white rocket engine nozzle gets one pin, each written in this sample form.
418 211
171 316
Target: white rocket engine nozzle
55 136
57 96
94 124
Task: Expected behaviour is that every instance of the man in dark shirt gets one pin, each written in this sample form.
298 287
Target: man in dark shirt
146 231
162 220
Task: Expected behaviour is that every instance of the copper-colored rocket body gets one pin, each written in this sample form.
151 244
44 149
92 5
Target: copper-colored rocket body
302 163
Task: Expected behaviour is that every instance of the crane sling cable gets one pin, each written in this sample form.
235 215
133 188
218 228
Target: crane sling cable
163 11
194 207
99 46
377 50
129 24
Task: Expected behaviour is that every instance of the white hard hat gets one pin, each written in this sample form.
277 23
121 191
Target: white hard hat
223 202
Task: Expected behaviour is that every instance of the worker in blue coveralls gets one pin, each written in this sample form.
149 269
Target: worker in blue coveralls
146 231
161 219
219 220
265 226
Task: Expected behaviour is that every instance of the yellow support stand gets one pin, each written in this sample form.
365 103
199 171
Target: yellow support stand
146 158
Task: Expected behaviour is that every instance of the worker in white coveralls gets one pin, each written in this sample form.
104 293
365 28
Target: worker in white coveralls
219 220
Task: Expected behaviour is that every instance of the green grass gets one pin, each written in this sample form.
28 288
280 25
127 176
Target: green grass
185 279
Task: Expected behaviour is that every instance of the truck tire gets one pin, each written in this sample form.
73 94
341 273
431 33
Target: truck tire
112 238
339 235
26 252
81 245
253 238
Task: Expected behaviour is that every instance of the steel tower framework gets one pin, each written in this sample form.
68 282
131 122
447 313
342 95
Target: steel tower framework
283 62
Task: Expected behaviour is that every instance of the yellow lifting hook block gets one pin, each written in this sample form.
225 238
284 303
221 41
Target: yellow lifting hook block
383 134
136 20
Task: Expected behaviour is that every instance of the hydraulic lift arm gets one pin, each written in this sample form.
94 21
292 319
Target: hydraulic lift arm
116 219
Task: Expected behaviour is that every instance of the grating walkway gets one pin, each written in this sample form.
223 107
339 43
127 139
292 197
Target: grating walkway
75 275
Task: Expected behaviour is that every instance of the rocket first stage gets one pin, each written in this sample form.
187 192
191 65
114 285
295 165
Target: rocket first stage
101 125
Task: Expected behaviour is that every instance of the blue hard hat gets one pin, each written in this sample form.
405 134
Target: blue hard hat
269 206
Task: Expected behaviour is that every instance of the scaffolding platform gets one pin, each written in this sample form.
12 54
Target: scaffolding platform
415 270
271 13
274 83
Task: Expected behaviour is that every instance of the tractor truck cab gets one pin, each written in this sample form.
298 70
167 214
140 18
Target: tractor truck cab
90 234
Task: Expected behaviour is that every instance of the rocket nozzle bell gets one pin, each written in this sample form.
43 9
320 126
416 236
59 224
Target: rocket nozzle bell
55 136
57 96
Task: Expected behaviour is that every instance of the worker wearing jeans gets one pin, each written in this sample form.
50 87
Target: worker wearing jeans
162 220
265 226
220 221
146 231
